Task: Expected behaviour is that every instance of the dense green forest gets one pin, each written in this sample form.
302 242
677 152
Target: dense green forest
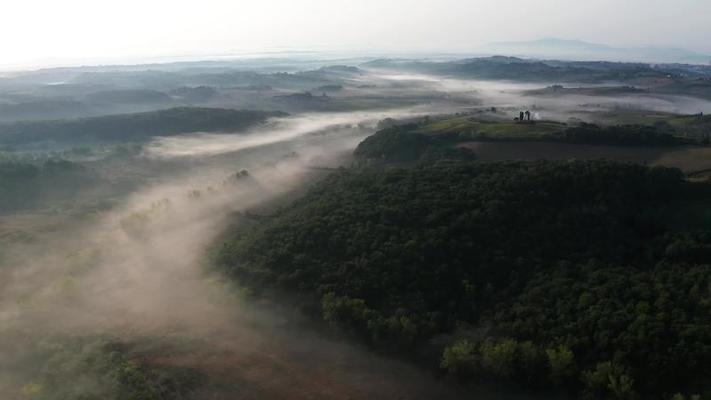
132 127
559 276
402 143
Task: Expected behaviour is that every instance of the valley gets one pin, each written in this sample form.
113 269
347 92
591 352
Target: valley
378 229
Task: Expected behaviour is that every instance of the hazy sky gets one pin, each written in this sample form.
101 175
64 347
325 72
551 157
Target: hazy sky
51 31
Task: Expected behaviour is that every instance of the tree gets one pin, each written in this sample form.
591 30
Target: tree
562 363
459 358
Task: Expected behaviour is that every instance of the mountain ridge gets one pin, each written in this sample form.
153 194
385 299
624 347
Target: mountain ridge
588 51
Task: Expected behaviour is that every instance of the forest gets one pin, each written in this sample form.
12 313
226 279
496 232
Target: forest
131 127
562 277
25 184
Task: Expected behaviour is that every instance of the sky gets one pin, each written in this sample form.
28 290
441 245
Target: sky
43 32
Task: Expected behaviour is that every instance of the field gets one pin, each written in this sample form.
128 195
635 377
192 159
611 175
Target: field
497 151
492 129
688 159
685 125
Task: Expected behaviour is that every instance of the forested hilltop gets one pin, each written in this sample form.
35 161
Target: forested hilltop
561 276
446 136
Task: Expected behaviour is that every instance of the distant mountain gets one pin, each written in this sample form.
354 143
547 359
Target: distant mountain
528 70
562 49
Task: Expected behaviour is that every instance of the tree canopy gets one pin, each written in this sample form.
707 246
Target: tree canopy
555 275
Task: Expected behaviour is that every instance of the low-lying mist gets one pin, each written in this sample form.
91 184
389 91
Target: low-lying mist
278 130
140 272
513 96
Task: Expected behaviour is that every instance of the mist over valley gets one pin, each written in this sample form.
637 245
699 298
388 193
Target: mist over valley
527 219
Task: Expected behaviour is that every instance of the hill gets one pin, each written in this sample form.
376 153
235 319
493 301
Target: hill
563 49
132 127
24 185
560 276
449 136
518 69
678 79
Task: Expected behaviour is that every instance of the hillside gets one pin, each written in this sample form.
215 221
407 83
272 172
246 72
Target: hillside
559 90
681 79
132 127
450 136
518 69
560 276
580 50
24 185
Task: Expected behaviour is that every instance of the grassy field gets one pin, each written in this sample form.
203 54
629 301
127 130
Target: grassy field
687 128
492 129
499 151
691 159
684 125
688 159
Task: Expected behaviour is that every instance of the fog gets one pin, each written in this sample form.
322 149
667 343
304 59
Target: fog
279 130
147 248
140 272
512 96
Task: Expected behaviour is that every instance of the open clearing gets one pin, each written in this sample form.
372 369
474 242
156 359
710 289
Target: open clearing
688 159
